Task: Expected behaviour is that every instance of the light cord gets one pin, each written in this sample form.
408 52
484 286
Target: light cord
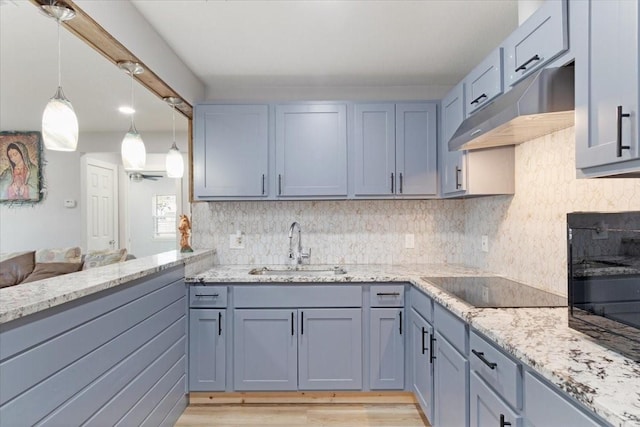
174 122
132 106
59 57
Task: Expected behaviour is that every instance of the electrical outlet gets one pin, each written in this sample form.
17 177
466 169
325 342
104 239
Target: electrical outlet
409 241
236 241
485 244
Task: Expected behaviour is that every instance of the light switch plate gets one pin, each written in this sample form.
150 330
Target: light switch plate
236 241
485 243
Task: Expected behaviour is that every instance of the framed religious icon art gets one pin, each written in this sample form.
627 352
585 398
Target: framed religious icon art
20 167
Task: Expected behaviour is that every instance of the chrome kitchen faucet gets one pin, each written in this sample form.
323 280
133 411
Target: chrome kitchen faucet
299 254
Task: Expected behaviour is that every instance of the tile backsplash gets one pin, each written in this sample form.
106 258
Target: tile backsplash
527 231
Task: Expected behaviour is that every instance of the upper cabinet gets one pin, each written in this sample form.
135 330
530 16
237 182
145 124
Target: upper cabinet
537 41
607 89
452 162
395 148
311 150
484 83
230 151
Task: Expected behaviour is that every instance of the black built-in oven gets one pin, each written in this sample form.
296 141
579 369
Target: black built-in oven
604 278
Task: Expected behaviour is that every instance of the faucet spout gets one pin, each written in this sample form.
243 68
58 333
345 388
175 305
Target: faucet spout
298 254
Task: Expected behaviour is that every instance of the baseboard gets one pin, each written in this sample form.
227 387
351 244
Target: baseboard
217 398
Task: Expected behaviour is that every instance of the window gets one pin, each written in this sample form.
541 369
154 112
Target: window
164 216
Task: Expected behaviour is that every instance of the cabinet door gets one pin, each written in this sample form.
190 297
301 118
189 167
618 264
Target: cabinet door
450 385
375 149
543 406
387 349
311 150
230 151
416 149
484 82
421 363
330 349
207 350
265 347
607 80
452 170
487 409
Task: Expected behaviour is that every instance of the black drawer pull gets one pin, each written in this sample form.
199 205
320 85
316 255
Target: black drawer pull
302 323
279 184
523 67
388 294
424 332
480 356
219 323
400 182
619 136
432 342
392 182
207 295
503 423
292 331
400 323
263 184
478 99
458 170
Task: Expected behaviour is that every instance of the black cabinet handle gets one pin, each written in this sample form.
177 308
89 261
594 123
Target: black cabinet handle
292 331
263 184
302 323
219 323
388 294
619 137
279 184
480 356
400 182
401 323
207 295
432 341
523 67
424 332
458 170
477 100
392 182
503 423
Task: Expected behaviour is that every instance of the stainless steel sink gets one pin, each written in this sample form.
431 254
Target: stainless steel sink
297 271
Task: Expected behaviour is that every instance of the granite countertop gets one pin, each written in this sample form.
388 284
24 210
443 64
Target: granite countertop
604 381
28 298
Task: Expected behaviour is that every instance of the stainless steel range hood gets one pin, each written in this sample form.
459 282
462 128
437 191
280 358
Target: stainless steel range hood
538 105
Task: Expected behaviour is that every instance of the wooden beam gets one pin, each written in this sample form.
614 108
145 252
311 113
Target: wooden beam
89 31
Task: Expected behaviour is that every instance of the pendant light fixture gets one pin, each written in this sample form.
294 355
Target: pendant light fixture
59 121
174 163
134 155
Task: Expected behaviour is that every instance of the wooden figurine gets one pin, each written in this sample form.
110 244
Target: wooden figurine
185 230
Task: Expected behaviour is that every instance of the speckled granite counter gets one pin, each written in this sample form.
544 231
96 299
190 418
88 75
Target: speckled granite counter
22 300
604 381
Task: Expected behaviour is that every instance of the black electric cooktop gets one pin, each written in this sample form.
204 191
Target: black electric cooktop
496 292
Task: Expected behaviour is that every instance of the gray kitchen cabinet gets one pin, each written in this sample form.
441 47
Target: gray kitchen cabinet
311 150
607 87
386 349
475 172
487 409
230 151
207 350
544 406
330 349
265 344
538 40
451 385
395 150
421 361
484 82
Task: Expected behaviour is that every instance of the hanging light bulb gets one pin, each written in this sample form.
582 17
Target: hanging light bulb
134 155
59 121
174 163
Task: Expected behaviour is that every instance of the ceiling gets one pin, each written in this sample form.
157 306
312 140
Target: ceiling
245 43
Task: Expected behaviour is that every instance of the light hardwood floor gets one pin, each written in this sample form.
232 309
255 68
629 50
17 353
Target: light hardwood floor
328 415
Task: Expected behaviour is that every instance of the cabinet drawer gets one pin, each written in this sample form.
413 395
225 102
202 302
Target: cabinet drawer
387 296
484 83
537 41
451 327
504 377
207 296
283 296
487 407
422 304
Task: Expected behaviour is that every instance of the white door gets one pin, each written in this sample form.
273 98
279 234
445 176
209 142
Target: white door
101 204
153 205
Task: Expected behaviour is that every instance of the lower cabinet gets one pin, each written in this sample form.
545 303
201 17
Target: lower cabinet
421 362
487 409
450 385
386 349
291 349
207 350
